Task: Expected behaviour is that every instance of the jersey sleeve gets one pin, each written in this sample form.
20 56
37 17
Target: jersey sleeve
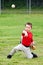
31 40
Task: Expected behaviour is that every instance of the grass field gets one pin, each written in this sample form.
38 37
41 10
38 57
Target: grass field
11 26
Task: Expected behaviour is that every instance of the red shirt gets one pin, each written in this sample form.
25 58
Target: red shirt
27 38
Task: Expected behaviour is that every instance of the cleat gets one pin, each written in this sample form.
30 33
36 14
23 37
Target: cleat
34 55
9 56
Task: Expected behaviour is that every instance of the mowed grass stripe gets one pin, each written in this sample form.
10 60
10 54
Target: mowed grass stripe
10 27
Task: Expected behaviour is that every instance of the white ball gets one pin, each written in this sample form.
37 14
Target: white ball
13 6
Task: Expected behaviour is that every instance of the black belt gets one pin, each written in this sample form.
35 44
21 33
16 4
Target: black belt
26 46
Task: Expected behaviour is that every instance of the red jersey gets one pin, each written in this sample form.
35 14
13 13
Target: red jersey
27 38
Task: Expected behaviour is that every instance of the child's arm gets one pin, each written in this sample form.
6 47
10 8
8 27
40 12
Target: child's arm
24 33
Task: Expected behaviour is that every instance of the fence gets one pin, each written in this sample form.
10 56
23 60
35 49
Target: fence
21 6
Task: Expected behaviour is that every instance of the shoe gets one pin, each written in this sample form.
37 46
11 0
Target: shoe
9 56
34 55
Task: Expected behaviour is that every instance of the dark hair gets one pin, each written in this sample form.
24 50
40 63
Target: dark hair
28 23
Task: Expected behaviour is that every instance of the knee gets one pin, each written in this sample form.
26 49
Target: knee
30 56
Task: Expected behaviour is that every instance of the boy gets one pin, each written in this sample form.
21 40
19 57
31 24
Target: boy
26 43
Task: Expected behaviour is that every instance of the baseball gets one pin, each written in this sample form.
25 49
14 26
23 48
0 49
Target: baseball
13 6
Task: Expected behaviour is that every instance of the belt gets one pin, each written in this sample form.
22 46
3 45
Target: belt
26 46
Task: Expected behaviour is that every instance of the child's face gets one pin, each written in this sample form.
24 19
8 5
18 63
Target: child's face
28 27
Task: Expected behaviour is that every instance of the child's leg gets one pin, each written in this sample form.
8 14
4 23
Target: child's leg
27 51
14 50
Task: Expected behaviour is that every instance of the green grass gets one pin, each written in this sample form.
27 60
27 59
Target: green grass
23 10
11 26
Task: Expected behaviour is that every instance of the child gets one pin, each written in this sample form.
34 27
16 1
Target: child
26 43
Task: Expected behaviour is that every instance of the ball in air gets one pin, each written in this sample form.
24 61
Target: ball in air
13 5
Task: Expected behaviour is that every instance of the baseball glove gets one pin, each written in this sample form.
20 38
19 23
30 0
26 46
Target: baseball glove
33 47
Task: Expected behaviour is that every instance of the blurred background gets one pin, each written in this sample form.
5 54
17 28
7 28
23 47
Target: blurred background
21 6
